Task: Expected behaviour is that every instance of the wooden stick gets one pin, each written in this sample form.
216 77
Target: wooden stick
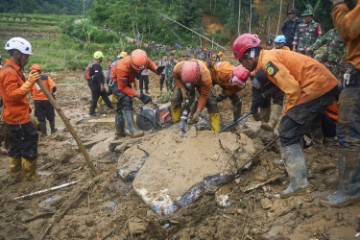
69 127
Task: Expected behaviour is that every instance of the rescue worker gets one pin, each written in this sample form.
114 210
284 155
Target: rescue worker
280 42
232 80
333 55
347 24
97 83
144 81
124 74
189 75
23 137
43 108
169 72
290 26
309 89
306 33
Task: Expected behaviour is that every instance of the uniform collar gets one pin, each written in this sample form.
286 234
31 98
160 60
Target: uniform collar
10 62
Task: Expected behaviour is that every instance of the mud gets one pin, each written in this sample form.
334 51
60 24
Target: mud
110 208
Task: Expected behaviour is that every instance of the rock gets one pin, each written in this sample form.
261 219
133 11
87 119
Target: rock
266 203
130 162
99 150
222 196
191 133
137 226
51 202
109 207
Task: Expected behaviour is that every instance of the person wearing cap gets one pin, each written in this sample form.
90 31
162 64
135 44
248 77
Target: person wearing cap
232 80
96 83
289 27
309 88
306 33
124 74
188 76
43 108
23 137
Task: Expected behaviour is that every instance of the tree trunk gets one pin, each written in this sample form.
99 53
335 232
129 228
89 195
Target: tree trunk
251 13
239 18
279 18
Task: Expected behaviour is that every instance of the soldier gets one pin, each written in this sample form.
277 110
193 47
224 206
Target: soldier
334 53
306 33
169 72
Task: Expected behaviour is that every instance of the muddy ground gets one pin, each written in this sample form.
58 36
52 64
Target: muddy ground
108 207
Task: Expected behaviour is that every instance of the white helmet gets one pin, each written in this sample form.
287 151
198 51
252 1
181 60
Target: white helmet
20 44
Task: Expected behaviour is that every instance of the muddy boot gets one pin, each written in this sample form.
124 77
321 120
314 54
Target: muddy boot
15 168
237 110
29 169
273 119
52 127
43 129
119 126
265 114
296 169
128 117
349 181
316 132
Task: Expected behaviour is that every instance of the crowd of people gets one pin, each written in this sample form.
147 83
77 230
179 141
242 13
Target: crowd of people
291 79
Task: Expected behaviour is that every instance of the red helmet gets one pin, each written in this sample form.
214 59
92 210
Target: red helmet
35 67
243 43
190 72
239 76
139 59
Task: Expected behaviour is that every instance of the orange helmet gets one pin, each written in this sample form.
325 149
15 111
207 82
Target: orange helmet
243 43
190 72
139 59
239 76
35 67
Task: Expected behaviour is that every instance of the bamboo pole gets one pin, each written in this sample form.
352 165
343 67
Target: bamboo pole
69 127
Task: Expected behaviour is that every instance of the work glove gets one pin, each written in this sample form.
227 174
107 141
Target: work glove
33 77
145 98
194 118
159 70
183 94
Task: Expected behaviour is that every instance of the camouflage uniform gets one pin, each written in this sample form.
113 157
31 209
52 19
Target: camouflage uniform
333 55
306 35
169 74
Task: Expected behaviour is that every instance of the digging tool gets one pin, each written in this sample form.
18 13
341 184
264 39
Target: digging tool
257 154
68 126
234 123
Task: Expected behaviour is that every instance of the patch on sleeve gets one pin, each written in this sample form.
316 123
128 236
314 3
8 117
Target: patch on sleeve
271 69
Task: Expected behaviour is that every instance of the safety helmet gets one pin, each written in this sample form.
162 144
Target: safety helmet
35 67
243 43
190 72
280 39
123 54
19 44
139 59
98 55
239 76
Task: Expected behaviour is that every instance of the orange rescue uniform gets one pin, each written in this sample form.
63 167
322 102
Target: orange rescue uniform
220 74
123 70
347 24
203 85
37 93
16 106
302 79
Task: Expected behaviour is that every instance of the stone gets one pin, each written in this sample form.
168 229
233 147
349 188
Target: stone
266 203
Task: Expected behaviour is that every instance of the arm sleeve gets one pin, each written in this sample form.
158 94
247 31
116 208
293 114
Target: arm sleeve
52 85
11 87
151 66
123 86
296 36
204 90
319 42
177 77
347 23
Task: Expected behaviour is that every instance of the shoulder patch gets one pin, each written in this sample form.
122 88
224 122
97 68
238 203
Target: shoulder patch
271 69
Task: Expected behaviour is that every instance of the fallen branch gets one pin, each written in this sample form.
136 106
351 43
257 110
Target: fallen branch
46 190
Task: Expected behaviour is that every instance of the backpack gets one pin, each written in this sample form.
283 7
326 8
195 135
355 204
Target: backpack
87 71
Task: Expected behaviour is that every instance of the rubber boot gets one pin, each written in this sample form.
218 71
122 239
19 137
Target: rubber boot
175 114
215 122
43 129
349 181
119 126
316 131
236 110
15 168
265 114
29 169
129 120
296 169
273 119
52 127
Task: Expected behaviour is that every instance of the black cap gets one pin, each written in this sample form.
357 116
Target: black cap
292 11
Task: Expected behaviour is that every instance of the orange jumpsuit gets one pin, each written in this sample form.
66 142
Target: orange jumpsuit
301 78
203 85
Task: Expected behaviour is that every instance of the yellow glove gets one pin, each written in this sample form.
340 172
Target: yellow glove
195 117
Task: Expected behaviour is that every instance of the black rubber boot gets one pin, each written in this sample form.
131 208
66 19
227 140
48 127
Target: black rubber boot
129 120
119 126
349 181
43 130
52 127
296 168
